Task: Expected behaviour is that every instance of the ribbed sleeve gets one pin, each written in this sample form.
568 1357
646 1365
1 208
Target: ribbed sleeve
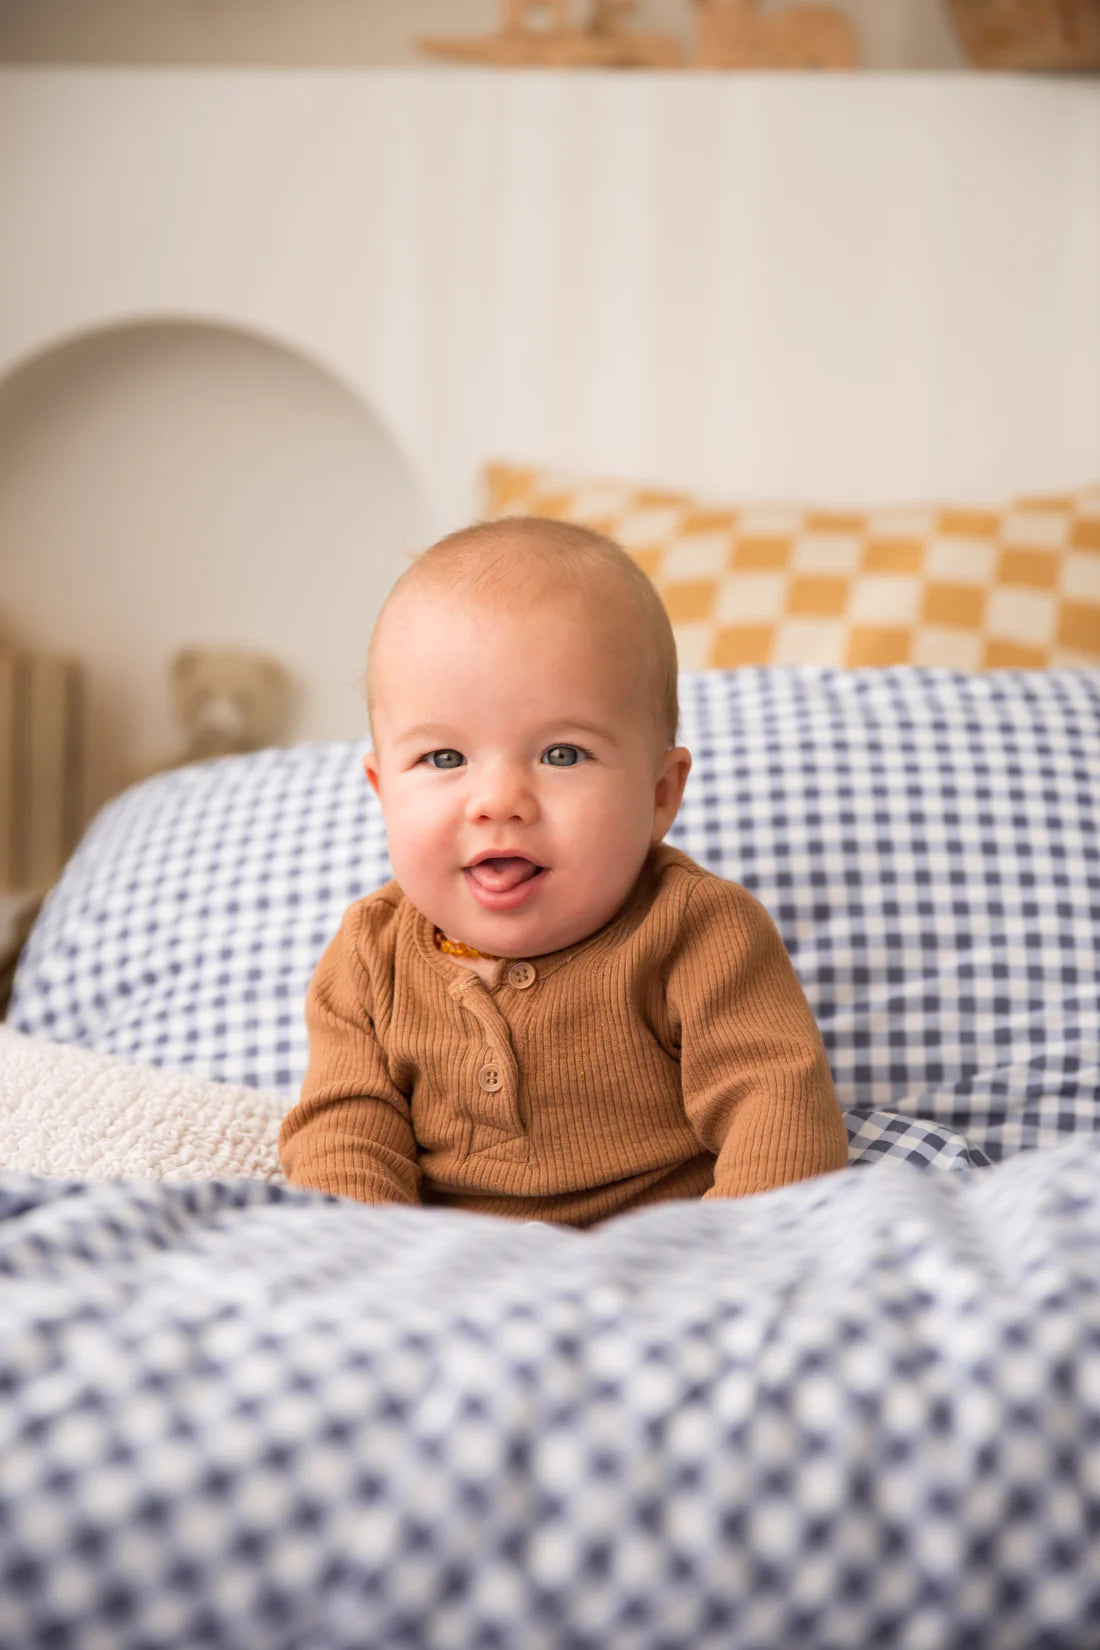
351 1132
756 1081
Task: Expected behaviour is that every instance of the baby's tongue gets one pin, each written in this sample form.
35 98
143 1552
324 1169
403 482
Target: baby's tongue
500 875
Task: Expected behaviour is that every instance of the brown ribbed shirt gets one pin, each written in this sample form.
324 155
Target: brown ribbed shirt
670 1055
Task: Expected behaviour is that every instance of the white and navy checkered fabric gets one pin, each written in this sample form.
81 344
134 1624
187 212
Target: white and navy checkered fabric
926 842
186 927
863 1411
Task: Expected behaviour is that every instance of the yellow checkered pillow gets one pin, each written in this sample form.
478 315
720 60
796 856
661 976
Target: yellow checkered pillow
972 589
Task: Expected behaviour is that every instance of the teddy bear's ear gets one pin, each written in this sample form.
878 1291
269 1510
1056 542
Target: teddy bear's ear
275 674
183 664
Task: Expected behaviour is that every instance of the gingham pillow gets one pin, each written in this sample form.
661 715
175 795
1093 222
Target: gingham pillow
925 840
971 589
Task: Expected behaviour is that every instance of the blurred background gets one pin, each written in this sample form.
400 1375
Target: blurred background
893 34
277 283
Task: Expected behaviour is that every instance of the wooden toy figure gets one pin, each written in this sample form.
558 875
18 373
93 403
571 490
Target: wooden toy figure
739 34
543 33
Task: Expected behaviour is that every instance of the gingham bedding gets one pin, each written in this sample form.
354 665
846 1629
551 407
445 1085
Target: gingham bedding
862 1412
925 840
859 1412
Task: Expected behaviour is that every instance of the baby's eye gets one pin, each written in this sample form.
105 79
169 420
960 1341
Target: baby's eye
444 759
563 756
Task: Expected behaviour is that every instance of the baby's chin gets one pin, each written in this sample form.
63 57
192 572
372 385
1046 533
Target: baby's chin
520 938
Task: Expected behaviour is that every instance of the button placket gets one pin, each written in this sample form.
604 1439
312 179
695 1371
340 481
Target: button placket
494 1104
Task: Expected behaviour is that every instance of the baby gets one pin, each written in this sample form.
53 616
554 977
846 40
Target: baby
548 1014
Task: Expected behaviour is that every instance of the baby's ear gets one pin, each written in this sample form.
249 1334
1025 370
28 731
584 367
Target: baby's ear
370 768
669 790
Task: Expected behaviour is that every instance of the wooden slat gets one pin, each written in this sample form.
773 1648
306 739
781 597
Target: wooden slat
41 743
47 745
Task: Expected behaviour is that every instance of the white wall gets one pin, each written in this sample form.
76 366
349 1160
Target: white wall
847 289
164 484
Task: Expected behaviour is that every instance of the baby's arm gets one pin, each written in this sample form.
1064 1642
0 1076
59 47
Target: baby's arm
350 1133
756 1079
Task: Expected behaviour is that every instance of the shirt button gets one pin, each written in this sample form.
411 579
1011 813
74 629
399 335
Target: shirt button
490 1079
521 975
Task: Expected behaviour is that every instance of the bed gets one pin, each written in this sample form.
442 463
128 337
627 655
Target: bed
860 1411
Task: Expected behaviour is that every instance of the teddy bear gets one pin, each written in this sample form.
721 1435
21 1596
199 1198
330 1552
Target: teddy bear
227 700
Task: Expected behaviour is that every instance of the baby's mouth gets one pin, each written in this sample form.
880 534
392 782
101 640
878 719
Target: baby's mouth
499 875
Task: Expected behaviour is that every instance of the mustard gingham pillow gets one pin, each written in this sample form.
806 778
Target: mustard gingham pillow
966 588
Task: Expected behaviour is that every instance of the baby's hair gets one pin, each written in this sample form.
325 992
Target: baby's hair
520 559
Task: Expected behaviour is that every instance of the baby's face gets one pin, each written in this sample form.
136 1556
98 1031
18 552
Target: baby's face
518 767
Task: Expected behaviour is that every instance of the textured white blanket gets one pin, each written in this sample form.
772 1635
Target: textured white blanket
69 1111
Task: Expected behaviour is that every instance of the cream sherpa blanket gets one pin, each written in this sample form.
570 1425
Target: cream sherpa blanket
71 1112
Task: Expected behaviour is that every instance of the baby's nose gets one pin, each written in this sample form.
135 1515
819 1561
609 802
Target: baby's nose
502 791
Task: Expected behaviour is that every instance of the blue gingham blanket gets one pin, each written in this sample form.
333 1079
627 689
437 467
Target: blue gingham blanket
863 1411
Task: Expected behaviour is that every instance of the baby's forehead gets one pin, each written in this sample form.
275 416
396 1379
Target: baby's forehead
601 653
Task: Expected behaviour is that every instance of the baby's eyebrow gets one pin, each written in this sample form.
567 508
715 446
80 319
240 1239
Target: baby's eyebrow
569 724
423 731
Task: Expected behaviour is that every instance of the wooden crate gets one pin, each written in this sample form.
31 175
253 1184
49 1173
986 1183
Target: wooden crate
1029 34
40 767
